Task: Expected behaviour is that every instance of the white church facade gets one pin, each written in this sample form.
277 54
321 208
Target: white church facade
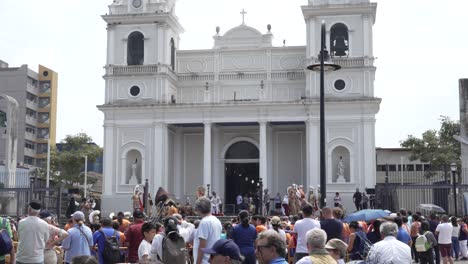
239 112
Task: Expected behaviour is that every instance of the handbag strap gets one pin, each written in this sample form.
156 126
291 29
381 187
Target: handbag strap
81 231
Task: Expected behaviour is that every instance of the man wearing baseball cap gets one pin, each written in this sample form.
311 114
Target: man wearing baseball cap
224 251
80 238
33 234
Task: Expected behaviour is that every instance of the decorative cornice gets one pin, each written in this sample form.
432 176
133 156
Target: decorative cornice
311 12
147 18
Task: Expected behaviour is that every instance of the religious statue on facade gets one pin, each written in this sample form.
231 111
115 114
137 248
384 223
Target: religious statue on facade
294 206
300 194
136 197
313 198
133 178
201 191
340 171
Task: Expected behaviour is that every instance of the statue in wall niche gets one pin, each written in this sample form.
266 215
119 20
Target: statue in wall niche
340 172
133 178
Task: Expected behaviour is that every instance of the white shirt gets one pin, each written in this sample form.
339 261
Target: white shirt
33 234
389 251
156 247
144 249
301 227
239 199
445 233
209 229
456 231
185 230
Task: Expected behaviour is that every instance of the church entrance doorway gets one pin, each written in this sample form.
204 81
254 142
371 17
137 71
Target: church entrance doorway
241 171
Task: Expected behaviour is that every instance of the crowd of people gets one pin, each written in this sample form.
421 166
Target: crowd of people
310 236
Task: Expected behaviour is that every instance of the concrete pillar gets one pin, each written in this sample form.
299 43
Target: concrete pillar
207 155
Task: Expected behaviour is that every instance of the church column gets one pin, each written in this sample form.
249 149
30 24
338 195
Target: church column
312 156
160 157
207 155
263 153
109 161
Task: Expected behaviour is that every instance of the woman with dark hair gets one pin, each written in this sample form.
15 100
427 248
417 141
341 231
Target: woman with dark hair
427 257
355 240
374 236
244 236
71 207
455 234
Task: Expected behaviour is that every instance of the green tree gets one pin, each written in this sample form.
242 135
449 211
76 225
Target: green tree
437 147
67 163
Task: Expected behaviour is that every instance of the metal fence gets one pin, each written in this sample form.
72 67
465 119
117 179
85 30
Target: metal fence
409 189
15 197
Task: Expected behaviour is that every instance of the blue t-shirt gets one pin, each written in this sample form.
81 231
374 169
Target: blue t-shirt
99 239
333 228
78 242
245 237
403 236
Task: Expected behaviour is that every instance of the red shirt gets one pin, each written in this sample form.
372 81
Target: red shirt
134 238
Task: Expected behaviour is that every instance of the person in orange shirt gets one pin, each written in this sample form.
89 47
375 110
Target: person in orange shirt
123 223
261 221
69 224
116 227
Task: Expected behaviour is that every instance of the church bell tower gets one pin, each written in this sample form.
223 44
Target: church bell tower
142 41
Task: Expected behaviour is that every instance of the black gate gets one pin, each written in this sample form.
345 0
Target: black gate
14 200
403 189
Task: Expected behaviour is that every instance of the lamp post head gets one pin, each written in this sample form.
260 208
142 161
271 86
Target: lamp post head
453 167
327 65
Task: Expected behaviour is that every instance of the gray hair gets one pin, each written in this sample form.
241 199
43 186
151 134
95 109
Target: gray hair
203 205
316 238
274 239
389 229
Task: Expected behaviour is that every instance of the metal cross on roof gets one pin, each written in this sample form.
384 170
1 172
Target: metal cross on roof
243 16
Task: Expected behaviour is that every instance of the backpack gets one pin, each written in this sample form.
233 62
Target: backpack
5 240
173 251
111 251
364 245
422 244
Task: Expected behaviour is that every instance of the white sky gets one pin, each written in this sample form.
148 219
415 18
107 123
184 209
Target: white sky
421 46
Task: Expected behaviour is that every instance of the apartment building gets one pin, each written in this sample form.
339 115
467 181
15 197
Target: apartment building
36 93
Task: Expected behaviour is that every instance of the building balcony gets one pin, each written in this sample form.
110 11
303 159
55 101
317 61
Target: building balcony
131 70
31 104
32 89
31 120
30 136
29 152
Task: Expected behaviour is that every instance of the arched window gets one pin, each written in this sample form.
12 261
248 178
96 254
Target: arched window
339 40
173 54
242 150
135 49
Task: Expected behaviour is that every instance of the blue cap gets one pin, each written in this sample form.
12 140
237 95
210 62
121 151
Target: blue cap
44 214
225 247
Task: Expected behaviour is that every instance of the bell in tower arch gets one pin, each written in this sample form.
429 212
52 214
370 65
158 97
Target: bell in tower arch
339 40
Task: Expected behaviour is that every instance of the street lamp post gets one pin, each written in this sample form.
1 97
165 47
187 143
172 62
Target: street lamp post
322 67
85 177
453 168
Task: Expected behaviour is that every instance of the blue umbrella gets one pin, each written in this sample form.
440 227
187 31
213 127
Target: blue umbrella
366 215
